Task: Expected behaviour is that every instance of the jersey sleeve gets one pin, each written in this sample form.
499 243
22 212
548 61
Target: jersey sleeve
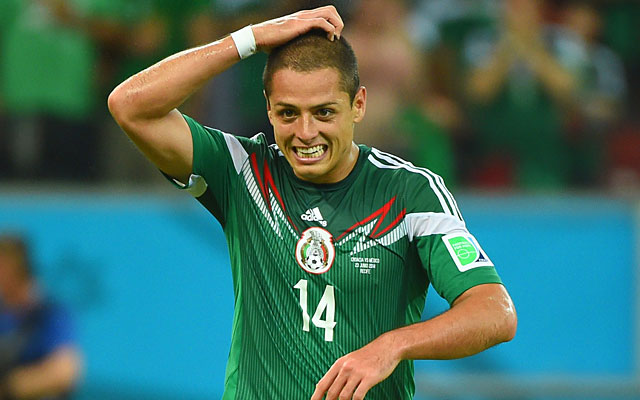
450 254
218 158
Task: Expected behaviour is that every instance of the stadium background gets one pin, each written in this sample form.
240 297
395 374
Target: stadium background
146 272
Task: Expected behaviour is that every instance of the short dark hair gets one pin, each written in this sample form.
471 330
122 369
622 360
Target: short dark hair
313 51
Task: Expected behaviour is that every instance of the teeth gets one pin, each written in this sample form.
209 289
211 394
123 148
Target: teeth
310 152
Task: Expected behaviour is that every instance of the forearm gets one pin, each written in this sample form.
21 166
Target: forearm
145 105
481 317
157 90
472 325
153 93
57 374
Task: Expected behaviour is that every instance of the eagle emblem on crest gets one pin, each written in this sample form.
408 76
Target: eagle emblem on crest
315 251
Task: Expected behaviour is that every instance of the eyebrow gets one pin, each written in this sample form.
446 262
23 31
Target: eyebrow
330 103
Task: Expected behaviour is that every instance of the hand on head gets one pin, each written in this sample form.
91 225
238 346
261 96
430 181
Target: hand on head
275 32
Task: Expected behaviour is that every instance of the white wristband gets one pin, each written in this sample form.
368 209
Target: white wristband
245 41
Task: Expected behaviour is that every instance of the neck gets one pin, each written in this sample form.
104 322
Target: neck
354 152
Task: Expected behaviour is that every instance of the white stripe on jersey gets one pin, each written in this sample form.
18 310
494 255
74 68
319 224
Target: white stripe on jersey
431 223
435 181
447 193
276 218
410 167
238 153
431 183
275 146
254 191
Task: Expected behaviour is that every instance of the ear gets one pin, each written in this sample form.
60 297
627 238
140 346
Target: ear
268 106
359 105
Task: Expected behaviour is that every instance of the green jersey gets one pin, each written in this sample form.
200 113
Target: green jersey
321 270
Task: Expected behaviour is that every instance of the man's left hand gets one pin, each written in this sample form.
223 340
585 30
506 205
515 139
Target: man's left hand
352 375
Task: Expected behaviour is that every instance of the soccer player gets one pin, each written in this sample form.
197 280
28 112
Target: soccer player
332 244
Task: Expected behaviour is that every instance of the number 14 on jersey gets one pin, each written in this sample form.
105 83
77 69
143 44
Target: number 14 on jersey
327 306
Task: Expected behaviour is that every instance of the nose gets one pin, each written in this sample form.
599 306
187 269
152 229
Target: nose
307 129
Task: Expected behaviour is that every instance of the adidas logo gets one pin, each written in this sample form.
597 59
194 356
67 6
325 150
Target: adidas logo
313 214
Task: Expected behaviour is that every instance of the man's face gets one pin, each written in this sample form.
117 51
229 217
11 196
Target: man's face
313 121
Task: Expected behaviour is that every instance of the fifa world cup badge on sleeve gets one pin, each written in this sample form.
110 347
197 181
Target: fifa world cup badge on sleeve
315 252
466 252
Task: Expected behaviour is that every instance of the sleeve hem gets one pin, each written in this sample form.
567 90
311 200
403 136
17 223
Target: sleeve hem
451 298
196 186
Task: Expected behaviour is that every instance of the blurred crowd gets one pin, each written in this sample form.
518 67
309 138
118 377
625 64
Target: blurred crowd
490 94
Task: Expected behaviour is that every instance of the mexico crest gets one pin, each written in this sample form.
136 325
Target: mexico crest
315 252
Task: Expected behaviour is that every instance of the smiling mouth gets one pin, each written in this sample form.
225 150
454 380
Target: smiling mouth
310 152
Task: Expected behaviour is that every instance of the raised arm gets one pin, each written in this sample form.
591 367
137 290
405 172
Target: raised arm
481 317
145 105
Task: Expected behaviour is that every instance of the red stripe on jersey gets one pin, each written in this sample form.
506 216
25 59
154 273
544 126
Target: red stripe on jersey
256 172
391 225
266 184
381 214
268 180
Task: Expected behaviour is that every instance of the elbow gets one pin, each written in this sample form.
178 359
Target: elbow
502 318
510 327
509 322
125 107
116 105
131 110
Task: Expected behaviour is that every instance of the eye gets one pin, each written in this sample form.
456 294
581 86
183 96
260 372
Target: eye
287 114
325 113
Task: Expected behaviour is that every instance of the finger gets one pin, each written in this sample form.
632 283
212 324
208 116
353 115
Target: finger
323 385
324 25
347 390
336 20
329 13
336 387
332 15
362 389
